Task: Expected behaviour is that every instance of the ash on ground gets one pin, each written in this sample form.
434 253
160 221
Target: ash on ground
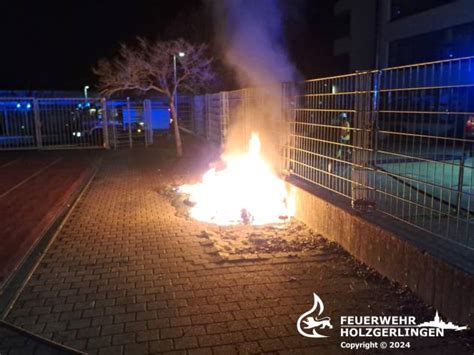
178 200
289 237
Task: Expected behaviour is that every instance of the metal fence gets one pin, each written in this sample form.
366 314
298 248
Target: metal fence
228 118
23 123
186 111
209 117
69 123
399 140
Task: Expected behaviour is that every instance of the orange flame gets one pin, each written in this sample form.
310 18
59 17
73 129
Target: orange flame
247 186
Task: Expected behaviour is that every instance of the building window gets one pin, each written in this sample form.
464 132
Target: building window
454 42
402 8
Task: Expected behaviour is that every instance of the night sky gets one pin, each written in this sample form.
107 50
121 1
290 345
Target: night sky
53 45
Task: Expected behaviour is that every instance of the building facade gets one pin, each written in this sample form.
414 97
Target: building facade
382 33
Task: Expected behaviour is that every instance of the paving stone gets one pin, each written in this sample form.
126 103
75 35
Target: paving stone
99 342
268 345
88 332
167 333
124 318
161 346
136 348
225 349
210 340
180 321
147 335
158 323
102 320
79 323
126 338
112 350
201 351
186 342
111 329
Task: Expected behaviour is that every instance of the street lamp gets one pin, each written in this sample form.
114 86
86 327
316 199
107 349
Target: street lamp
85 91
181 55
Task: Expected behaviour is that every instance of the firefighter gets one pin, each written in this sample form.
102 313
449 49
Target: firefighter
344 152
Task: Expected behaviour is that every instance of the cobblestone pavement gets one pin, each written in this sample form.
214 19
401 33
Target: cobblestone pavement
126 275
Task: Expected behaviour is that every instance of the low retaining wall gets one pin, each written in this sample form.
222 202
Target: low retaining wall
447 288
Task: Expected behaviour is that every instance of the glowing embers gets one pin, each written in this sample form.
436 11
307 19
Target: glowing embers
246 191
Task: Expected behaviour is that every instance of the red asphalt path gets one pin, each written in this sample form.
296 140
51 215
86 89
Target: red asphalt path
34 189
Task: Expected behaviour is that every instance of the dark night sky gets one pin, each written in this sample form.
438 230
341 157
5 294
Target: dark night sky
52 45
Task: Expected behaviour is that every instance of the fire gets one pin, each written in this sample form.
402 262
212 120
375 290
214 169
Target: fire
245 191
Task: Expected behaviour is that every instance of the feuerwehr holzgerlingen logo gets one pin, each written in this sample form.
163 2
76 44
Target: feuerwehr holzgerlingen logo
309 321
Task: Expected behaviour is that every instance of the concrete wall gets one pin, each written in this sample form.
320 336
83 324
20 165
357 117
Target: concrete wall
362 43
438 18
448 289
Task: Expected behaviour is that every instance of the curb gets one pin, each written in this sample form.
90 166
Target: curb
53 344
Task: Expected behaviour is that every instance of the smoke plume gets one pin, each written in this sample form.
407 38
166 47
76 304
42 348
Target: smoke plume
250 34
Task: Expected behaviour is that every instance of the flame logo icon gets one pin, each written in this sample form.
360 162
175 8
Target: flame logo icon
308 324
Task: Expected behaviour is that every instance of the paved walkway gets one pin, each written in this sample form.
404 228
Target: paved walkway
126 275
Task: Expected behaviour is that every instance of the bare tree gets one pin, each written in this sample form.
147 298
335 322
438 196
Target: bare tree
148 66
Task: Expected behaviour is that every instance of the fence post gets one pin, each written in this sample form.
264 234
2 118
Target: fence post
286 94
191 114
105 124
148 123
207 115
129 119
37 118
245 135
224 119
197 115
361 142
145 116
375 129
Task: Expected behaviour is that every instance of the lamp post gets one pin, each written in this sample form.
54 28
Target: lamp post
85 91
180 54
